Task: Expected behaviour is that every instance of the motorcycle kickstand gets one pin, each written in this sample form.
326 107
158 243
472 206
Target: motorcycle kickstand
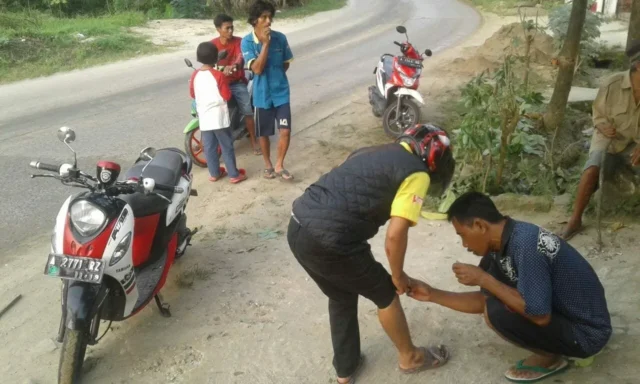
162 306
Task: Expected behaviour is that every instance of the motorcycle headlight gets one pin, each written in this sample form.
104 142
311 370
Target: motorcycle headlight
87 218
408 81
121 249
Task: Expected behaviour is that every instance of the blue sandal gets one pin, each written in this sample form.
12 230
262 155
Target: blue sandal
545 372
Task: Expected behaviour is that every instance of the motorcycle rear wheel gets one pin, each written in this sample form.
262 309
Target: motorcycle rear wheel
72 354
195 148
410 116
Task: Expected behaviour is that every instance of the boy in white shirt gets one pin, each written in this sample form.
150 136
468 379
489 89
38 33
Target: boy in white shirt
211 91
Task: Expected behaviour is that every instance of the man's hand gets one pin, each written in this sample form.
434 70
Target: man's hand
402 283
420 290
635 156
607 129
265 35
228 70
468 274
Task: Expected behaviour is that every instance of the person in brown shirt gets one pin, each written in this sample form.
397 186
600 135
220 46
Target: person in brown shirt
616 117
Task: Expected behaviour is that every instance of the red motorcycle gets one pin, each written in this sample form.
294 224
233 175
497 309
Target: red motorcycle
113 244
395 96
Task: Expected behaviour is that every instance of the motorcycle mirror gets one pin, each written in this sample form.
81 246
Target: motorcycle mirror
66 135
148 153
222 55
428 52
188 62
401 29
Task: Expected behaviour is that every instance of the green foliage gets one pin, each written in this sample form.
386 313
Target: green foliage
559 24
190 9
478 135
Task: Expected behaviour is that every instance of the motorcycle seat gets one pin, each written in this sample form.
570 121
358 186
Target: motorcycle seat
165 168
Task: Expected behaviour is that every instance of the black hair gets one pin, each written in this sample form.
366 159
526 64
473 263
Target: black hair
474 205
221 19
258 8
207 53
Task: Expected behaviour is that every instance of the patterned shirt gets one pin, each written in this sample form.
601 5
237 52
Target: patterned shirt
552 276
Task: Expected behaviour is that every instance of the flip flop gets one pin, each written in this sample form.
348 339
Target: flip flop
242 177
269 173
285 175
223 173
568 235
546 372
431 355
352 379
257 152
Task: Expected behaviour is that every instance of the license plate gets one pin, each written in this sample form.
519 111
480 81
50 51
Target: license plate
410 62
75 268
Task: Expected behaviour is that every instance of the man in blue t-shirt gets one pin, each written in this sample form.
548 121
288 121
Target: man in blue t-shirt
536 290
267 54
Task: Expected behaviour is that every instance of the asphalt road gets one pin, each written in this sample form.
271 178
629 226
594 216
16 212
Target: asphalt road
120 108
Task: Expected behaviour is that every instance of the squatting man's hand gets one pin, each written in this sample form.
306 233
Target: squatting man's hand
468 274
420 290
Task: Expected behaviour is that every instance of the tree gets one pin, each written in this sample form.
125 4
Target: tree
567 65
634 23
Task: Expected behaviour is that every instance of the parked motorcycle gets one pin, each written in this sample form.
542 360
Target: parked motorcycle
193 140
113 245
395 94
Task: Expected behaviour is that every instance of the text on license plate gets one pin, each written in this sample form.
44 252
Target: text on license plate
75 268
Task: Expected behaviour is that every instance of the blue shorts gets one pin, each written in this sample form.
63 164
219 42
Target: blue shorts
268 119
241 95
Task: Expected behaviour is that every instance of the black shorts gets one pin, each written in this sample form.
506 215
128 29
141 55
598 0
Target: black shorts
267 120
556 338
340 277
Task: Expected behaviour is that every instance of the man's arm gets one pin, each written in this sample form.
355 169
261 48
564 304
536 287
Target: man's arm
512 299
467 302
599 112
405 211
288 55
396 244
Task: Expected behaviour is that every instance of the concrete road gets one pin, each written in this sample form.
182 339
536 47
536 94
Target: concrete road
120 108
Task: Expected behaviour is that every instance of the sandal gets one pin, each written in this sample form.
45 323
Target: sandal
568 235
269 173
544 372
242 177
352 378
439 355
285 175
223 173
257 152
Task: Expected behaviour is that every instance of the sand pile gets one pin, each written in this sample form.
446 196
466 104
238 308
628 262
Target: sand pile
489 55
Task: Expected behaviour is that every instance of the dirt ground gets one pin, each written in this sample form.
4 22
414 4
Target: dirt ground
245 312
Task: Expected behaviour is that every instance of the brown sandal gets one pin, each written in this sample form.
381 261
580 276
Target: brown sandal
437 354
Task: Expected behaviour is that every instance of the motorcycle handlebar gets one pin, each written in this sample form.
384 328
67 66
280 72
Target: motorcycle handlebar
45 166
398 44
167 188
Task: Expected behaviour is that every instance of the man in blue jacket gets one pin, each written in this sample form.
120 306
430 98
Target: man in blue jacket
267 54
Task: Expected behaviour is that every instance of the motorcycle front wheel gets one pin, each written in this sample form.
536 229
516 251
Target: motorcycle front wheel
194 147
395 123
72 354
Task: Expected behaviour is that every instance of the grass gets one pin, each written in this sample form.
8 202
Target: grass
37 44
502 7
311 7
34 44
